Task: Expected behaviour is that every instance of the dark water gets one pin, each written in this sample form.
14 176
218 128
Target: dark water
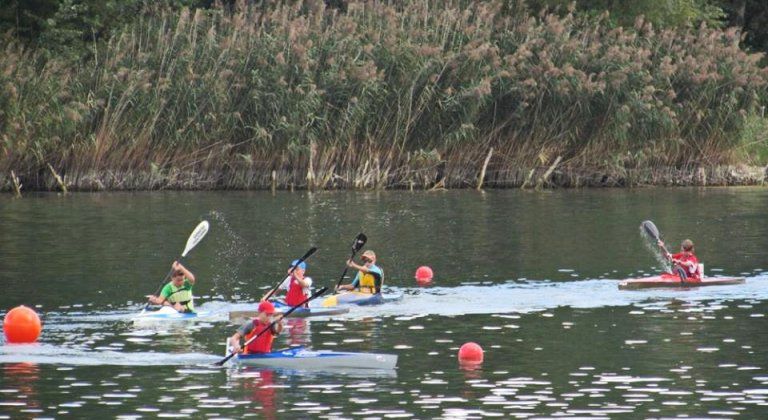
529 276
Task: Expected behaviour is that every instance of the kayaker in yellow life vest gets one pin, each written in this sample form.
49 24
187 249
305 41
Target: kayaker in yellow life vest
178 292
369 278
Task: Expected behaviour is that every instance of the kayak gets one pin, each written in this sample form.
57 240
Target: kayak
170 314
303 358
359 298
671 280
298 313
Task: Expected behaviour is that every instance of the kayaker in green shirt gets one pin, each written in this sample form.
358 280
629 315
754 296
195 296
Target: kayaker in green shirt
178 292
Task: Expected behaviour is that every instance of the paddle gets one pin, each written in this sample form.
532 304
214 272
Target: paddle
285 315
298 263
653 231
197 235
356 246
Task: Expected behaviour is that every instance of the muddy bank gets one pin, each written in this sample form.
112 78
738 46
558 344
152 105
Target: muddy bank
437 177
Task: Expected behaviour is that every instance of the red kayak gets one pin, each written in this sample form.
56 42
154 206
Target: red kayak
671 280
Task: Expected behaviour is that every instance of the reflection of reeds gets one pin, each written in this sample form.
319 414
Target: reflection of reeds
413 94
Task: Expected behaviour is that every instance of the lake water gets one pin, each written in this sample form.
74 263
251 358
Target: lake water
530 276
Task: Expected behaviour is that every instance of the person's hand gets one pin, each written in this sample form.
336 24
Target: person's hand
235 347
176 265
660 243
178 307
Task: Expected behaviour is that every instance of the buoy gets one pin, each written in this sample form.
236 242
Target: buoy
21 325
470 353
424 274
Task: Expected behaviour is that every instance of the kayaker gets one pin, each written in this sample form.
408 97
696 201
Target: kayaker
296 285
686 265
263 343
369 278
178 292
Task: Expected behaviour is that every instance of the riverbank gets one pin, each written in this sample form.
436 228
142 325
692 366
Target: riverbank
425 178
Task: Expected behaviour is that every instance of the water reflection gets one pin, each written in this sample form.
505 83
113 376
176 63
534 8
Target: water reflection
19 389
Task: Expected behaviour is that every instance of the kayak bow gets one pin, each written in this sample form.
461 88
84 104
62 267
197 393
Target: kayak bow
359 298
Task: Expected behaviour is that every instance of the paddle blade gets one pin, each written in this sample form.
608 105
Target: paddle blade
359 242
650 229
197 235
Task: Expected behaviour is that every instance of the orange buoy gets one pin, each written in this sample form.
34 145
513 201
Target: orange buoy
424 274
470 353
22 325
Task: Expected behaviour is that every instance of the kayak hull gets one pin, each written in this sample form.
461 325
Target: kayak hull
360 299
300 358
670 280
298 313
166 313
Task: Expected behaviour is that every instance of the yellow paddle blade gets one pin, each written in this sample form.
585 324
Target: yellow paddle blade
331 301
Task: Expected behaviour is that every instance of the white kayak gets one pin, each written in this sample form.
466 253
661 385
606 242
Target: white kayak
302 358
170 314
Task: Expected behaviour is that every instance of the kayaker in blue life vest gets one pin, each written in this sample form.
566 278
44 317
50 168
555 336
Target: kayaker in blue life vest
369 278
263 343
178 292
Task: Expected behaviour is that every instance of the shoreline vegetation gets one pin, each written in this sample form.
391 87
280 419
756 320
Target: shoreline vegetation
410 95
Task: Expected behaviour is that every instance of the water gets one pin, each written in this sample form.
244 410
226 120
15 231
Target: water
529 276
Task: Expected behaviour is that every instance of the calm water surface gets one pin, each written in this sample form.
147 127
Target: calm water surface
529 276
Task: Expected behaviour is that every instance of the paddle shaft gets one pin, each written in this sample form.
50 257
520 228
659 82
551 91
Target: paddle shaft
359 242
290 272
268 327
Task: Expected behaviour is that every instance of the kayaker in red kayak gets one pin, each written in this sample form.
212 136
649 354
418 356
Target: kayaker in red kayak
686 265
296 285
263 343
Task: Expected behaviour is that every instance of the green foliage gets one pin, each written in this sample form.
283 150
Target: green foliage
291 83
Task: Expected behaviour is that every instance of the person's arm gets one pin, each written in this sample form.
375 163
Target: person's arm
162 299
187 274
283 286
234 341
277 328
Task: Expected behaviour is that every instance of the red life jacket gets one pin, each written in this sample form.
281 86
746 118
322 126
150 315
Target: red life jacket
263 344
295 293
691 264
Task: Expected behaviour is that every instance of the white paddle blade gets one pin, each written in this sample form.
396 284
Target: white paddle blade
197 235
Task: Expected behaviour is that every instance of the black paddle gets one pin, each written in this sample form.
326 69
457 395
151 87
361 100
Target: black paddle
285 315
653 231
298 263
197 235
360 240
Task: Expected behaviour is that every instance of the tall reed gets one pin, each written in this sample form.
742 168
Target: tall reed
388 94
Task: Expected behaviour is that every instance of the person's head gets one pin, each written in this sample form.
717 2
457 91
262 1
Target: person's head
368 257
266 309
300 268
687 245
177 277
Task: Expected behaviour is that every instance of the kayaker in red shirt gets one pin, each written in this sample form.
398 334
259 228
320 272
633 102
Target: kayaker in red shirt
686 265
296 285
263 344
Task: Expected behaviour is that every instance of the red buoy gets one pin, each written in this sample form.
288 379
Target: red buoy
21 325
424 274
470 353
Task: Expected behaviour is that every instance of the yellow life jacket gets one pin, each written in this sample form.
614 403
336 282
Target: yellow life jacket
182 295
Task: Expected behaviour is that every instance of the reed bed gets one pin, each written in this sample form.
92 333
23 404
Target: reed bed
409 94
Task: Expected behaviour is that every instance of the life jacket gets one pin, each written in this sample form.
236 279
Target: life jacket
367 282
182 295
295 293
691 264
263 344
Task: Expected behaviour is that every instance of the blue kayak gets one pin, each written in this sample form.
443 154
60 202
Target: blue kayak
302 358
298 313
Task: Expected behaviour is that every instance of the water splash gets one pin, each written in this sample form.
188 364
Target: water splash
652 246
